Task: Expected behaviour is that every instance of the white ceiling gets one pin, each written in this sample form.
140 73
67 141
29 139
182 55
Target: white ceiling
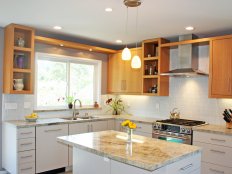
87 18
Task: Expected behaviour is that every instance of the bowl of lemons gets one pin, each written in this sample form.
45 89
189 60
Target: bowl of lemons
32 117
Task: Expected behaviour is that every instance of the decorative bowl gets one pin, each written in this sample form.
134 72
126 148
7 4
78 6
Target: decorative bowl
31 119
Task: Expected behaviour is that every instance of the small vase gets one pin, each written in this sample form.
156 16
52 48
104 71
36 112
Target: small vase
18 84
70 105
129 135
115 112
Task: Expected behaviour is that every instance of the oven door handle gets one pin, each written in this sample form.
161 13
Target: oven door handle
168 135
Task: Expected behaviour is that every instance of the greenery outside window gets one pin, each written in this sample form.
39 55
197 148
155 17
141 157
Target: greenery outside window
59 76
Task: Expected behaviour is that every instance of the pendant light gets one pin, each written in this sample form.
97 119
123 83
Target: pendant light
126 54
136 61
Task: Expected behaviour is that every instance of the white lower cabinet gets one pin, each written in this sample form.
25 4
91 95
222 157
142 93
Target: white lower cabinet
143 129
89 163
18 149
216 154
84 127
49 153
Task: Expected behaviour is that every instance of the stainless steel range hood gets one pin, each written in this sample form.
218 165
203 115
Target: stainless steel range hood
187 64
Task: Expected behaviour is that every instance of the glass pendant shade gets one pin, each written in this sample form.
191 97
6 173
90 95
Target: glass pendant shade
126 54
136 62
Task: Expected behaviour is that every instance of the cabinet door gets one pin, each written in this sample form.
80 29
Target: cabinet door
221 68
121 77
99 126
76 128
115 73
49 153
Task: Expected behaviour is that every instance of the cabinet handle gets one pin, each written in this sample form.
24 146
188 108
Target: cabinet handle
214 139
26 156
53 130
25 133
216 171
217 151
29 168
230 84
186 167
91 128
25 144
88 128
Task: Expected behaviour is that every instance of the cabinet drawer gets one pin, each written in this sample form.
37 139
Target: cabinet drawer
185 166
26 144
223 140
27 168
216 154
208 168
26 132
26 157
141 127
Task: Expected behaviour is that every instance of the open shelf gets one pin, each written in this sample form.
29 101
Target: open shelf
18 59
155 60
150 58
150 76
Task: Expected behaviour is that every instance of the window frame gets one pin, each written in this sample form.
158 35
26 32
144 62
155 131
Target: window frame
68 60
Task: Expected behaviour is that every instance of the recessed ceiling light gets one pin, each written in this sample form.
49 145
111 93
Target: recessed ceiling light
118 41
189 28
57 27
108 9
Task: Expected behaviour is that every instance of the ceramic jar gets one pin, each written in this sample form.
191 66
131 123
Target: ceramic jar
18 84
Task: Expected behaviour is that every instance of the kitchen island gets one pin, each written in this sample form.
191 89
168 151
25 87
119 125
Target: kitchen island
108 152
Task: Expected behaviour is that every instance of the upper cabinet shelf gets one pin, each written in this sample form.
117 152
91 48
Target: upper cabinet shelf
195 41
154 61
18 62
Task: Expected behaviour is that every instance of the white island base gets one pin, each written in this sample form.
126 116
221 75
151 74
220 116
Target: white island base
88 163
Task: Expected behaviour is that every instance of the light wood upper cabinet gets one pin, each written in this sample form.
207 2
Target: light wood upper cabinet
121 77
18 63
221 68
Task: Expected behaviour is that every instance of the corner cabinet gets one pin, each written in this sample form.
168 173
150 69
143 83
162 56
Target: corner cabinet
122 79
18 60
155 60
220 77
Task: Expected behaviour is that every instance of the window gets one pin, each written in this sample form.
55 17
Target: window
60 76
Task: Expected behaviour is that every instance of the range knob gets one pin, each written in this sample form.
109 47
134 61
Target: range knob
183 130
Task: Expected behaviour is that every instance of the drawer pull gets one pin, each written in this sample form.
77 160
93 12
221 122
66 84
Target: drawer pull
217 151
216 171
53 130
186 167
25 144
29 168
214 139
25 133
29 156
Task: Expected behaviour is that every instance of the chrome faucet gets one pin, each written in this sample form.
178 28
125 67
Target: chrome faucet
76 111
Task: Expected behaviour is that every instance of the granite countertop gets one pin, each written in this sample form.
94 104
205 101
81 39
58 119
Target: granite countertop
55 121
146 153
218 129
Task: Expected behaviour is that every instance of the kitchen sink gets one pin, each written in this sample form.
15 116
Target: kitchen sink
81 118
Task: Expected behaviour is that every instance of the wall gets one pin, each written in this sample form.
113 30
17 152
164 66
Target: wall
1 70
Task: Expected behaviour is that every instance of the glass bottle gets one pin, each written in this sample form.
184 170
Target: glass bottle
146 70
150 70
155 72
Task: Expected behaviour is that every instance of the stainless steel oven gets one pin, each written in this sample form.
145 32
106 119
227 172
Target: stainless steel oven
172 137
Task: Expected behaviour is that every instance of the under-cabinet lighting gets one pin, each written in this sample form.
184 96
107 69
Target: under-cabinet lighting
90 49
61 45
